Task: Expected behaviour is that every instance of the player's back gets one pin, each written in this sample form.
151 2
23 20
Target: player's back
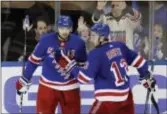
111 77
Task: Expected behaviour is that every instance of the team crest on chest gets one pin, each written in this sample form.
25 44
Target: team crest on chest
50 52
71 53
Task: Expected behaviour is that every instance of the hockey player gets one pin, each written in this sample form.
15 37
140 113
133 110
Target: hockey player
53 88
108 65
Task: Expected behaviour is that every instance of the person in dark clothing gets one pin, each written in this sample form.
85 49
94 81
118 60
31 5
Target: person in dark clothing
40 27
41 9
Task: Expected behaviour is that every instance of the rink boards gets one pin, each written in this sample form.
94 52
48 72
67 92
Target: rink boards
11 71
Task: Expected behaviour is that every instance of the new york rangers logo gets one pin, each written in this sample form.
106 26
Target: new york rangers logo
71 53
50 50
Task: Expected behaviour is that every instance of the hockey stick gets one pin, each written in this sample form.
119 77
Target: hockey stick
152 95
25 27
21 104
155 103
146 103
149 91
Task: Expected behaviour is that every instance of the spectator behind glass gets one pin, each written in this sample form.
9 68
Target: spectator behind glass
84 31
41 9
160 14
40 27
123 21
160 18
158 51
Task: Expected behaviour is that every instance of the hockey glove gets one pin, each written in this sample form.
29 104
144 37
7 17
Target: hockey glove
64 61
148 82
22 85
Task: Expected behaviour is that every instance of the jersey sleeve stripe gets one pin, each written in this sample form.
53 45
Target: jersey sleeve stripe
86 77
35 57
135 60
82 79
35 61
142 63
138 62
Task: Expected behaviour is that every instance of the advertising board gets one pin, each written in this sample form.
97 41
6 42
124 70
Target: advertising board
10 100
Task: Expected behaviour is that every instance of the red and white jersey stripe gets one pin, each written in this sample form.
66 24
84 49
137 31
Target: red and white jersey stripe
83 78
69 85
112 95
138 62
34 59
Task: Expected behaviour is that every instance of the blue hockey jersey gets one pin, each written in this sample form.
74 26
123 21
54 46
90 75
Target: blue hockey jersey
45 50
108 66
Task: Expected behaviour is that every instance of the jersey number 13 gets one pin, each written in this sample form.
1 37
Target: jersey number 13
116 69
